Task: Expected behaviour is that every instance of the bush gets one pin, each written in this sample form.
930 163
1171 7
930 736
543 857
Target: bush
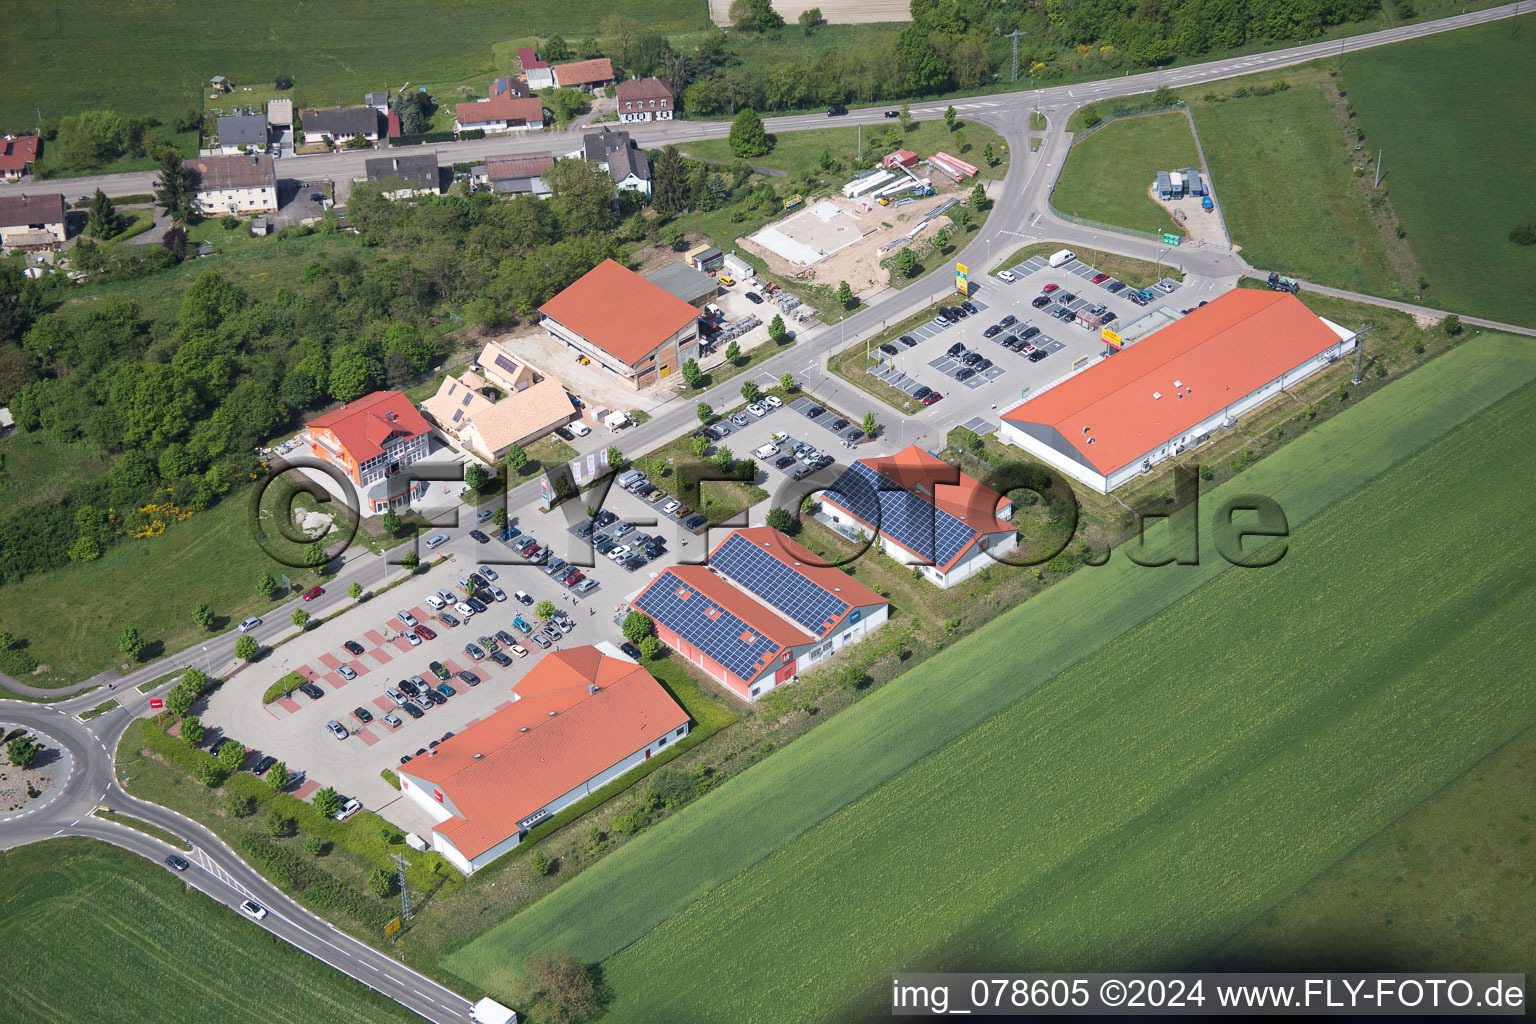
316 887
382 883
670 786
1279 85
277 824
1240 92
316 845
1523 234
287 684
239 805
208 771
1451 325
541 863
629 824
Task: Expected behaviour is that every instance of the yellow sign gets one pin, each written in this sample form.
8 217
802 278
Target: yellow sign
1110 337
962 281
391 928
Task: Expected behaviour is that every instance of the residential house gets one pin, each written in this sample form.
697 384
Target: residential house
536 72
235 184
240 133
413 174
515 174
761 611
509 86
626 163
922 512
644 99
584 74
372 441
500 402
32 221
377 100
629 326
17 154
578 720
339 124
501 113
280 113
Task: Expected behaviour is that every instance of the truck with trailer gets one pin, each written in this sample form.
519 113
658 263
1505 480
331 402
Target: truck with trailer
1280 283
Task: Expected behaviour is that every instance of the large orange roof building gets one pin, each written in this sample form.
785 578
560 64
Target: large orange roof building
1152 400
628 325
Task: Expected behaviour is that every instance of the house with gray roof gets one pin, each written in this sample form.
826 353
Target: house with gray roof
340 124
240 133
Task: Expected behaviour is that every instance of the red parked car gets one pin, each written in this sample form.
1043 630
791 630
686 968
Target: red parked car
426 632
1100 278
312 593
1050 288
929 399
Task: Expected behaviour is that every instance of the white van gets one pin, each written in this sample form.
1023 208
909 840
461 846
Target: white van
1063 257
767 451
580 429
437 540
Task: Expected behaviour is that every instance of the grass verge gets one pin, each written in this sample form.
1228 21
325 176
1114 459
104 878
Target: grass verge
1107 174
142 826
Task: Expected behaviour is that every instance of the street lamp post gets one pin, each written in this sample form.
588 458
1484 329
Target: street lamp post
207 669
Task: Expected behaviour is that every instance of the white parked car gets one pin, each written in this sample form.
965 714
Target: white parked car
464 609
619 553
407 618
395 695
436 602
756 410
253 910
672 506
487 572
412 638
348 809
337 729
498 593
772 401
580 429
767 451
1006 275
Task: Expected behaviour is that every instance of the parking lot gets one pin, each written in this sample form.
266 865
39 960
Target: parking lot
1038 346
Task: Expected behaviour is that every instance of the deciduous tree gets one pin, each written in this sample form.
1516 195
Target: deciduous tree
748 137
232 755
516 459
246 648
779 519
130 642
326 801
637 626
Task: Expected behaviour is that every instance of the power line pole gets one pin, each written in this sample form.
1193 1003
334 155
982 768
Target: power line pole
1378 169
1360 352
405 890
1014 35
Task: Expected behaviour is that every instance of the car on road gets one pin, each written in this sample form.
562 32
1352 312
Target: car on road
479 537
1006 275
836 110
346 672
522 597
393 720
362 715
395 695
411 709
1041 301
249 624
310 690
348 809
354 647
484 515
1049 288
1100 278
253 910
474 651
312 593
177 863
446 690
406 617
411 637
337 729
893 113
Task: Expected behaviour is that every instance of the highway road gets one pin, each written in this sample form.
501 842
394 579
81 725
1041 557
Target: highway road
1020 216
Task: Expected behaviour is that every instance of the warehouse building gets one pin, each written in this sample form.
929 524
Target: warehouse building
631 327
1152 400
922 512
685 282
763 610
578 720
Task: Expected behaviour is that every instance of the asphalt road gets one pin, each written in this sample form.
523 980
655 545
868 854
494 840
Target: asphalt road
1020 216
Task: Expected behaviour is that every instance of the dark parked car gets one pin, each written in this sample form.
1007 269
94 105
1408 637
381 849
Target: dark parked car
814 411
922 393
1009 320
839 424
1115 286
969 307
478 605
1066 297
755 298
984 366
408 688
783 461
907 341
355 647
965 374
312 691
411 709
260 767
564 435
1037 355
694 522
630 649
889 349
1041 301
435 697
468 678
1029 332
971 358
363 715
993 331
955 350
501 659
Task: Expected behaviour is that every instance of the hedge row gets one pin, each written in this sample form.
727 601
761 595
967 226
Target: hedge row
424 137
287 684
319 888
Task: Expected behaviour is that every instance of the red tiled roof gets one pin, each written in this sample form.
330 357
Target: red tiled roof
584 72
965 498
363 426
529 58
530 757
505 107
779 632
528 165
620 312
1218 354
16 153
643 89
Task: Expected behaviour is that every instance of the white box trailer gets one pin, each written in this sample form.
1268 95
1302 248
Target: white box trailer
489 1011
616 420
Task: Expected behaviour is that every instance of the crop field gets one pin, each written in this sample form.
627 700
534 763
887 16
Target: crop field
97 934
1282 175
1456 116
1250 735
1108 174
708 843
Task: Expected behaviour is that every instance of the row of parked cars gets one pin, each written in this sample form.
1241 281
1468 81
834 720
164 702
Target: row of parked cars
635 482
953 314
800 459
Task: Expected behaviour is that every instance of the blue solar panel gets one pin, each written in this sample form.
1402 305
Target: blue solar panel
718 635
910 520
756 570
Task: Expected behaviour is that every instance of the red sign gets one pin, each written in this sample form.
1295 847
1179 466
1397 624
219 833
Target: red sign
156 702
438 795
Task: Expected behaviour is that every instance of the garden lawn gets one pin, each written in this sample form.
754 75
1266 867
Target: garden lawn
1454 187
1136 809
1108 174
1281 175
98 933
711 841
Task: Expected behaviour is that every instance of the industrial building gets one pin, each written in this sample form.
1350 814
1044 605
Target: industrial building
1150 401
761 611
579 719
685 282
922 512
631 327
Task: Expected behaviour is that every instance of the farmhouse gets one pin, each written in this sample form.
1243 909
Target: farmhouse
626 324
500 402
339 124
17 154
536 72
500 113
614 152
235 184
578 720
32 221
584 74
415 174
241 132
371 441
763 610
644 99
922 512
1152 400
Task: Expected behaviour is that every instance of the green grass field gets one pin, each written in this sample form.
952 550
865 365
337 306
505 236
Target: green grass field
36 465
710 842
796 152
1456 116
1251 735
101 934
1108 174
1385 904
1282 176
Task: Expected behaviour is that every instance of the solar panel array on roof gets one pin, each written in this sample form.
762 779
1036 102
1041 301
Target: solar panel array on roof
759 572
738 647
909 519
507 364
